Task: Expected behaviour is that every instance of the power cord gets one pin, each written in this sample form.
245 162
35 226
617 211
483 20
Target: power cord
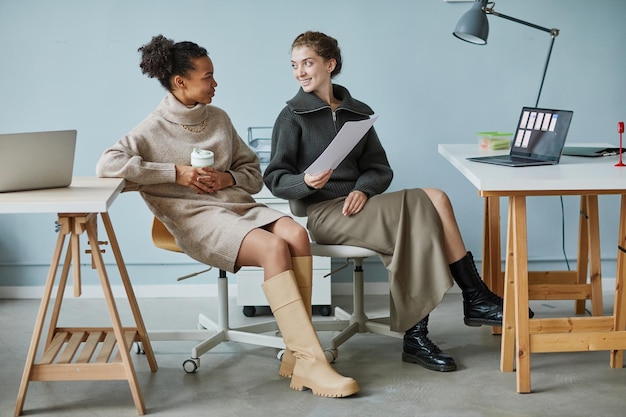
582 213
563 232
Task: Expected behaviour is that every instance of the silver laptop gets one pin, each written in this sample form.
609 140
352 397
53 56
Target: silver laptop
538 139
36 160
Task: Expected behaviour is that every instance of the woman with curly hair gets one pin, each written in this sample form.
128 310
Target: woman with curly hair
211 211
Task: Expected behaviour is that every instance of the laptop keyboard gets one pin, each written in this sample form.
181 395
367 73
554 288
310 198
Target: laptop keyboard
514 158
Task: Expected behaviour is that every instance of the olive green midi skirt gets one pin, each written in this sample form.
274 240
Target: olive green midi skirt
405 230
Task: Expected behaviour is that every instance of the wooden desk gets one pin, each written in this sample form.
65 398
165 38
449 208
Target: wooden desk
79 354
522 336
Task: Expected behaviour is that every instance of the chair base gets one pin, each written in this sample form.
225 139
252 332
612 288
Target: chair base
362 324
211 333
349 324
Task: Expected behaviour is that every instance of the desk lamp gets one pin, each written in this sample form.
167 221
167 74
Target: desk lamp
473 27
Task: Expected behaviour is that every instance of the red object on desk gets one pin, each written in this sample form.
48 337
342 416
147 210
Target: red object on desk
620 130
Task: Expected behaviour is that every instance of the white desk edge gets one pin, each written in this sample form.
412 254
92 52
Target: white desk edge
571 174
84 195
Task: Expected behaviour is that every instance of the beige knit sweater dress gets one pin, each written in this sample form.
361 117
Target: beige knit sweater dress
208 227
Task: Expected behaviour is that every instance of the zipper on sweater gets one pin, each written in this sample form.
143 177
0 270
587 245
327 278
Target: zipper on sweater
333 112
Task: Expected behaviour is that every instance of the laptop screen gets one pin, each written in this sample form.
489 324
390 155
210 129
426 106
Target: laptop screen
541 133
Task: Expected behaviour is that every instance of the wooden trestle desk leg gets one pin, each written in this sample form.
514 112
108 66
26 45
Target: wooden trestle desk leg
56 363
583 252
515 344
557 285
132 300
573 285
519 259
588 259
619 308
507 344
521 285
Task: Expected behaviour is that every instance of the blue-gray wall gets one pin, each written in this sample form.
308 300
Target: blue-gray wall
73 64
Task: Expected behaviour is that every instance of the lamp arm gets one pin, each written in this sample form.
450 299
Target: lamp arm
489 10
545 69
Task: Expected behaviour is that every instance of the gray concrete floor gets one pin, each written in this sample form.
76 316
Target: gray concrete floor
241 380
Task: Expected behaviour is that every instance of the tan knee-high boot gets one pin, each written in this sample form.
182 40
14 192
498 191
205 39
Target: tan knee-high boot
312 369
303 270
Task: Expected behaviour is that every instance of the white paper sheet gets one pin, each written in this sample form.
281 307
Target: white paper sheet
347 138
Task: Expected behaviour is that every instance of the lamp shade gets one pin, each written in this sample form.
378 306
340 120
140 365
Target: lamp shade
473 26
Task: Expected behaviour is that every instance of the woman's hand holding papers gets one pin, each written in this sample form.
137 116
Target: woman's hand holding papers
318 181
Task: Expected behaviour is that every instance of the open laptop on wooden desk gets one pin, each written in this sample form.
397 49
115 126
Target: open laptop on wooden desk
539 139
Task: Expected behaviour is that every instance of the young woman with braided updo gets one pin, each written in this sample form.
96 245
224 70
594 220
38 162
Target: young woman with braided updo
414 231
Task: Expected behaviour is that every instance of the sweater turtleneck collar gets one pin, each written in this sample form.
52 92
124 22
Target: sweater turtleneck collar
308 102
174 111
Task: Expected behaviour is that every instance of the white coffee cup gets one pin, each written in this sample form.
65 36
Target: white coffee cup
202 158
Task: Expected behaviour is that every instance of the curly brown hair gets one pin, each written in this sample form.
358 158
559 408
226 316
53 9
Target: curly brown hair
162 58
325 46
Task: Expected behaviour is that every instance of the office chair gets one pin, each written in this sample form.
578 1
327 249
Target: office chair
348 324
209 332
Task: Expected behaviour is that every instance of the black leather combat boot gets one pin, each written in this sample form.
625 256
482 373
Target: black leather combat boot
480 305
418 348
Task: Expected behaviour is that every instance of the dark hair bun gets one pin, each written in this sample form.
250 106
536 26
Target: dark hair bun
156 57
162 59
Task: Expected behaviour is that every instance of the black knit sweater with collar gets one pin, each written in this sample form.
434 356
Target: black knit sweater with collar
303 129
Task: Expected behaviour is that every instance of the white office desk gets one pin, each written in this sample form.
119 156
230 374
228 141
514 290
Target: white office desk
79 354
571 176
85 195
521 336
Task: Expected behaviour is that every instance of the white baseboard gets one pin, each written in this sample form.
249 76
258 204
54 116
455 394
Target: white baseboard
141 291
203 290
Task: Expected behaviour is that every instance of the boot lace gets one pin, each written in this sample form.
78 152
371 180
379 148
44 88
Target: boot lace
429 345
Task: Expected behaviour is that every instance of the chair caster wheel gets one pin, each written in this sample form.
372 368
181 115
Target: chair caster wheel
191 365
331 355
280 354
249 311
325 311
